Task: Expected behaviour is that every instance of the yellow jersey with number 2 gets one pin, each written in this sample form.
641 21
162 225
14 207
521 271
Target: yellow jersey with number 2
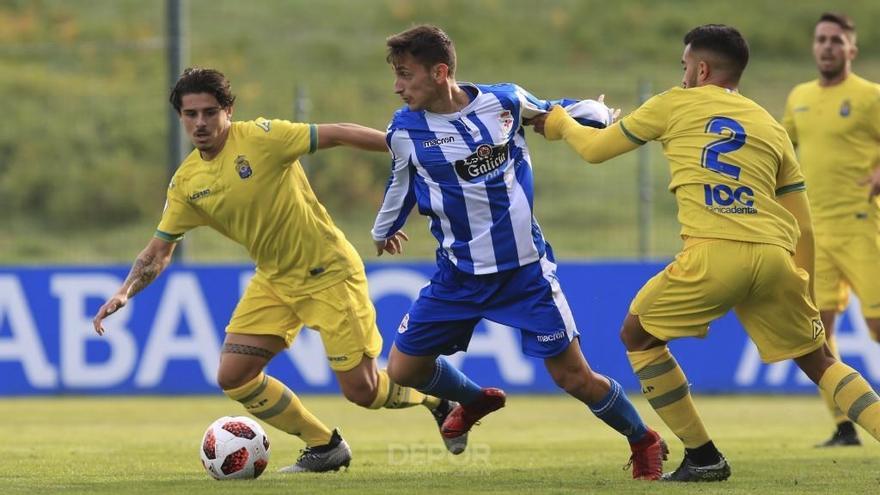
728 160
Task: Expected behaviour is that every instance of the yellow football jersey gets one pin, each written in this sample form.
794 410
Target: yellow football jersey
255 193
837 133
728 159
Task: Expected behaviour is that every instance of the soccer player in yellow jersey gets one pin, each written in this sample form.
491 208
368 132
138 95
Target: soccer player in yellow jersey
834 121
244 180
748 244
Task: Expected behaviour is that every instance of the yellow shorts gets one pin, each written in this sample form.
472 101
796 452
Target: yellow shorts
760 282
342 313
844 262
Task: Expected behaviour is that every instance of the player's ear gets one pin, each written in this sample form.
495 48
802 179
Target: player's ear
703 72
439 72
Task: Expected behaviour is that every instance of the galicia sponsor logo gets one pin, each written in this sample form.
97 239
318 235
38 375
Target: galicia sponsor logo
438 141
484 163
722 198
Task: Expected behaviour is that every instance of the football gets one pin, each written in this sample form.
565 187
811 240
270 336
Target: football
234 447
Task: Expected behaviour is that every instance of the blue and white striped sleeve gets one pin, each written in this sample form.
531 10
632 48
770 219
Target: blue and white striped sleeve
586 112
530 105
399 193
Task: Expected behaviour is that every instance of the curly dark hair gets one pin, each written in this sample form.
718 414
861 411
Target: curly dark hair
199 80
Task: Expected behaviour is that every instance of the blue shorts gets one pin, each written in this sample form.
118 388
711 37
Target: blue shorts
442 319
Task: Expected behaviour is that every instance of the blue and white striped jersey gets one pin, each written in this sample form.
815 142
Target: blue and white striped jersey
470 173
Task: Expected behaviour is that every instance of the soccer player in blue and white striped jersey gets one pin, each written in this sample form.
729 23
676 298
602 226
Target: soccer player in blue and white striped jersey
459 153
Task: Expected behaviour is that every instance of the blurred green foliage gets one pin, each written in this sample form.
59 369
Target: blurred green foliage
83 158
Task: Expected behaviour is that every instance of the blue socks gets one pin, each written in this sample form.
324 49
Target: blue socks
451 384
617 411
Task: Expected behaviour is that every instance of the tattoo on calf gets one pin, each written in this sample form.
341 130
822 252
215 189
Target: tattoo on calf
248 350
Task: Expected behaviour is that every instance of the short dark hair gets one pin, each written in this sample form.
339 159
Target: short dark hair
199 80
842 20
724 41
428 44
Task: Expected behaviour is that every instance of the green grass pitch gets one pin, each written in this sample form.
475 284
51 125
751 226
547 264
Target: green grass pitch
537 444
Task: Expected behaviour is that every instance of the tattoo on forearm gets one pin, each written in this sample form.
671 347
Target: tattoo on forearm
145 269
248 350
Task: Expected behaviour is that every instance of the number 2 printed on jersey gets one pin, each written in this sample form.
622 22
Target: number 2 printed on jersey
711 157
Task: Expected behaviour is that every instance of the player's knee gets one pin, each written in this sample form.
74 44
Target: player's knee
573 380
362 395
814 363
229 378
628 333
403 376
634 336
394 372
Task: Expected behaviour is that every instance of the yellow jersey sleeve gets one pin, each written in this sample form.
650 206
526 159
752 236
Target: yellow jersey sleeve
648 122
875 112
179 215
288 140
788 119
789 178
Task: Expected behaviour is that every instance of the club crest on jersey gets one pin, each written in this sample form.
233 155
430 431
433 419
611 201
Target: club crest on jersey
483 163
243 167
505 120
404 324
845 109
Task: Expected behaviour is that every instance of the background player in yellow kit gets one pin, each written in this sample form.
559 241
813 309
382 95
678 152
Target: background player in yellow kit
244 180
834 121
747 235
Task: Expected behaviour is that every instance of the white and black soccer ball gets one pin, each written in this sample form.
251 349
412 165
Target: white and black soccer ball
234 447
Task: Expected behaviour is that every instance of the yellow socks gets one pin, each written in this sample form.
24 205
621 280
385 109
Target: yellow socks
270 400
667 390
835 411
392 396
853 395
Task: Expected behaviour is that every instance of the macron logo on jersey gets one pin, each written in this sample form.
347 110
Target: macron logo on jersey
431 143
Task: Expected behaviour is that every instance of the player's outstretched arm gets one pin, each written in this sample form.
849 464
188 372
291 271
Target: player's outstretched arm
354 135
593 145
804 256
148 265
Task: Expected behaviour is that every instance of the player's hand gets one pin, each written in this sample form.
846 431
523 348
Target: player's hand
392 245
873 183
537 122
111 306
615 112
